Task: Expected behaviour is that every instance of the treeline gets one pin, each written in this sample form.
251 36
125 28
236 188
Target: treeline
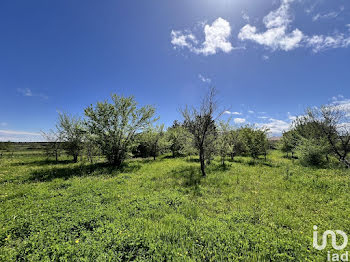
320 134
120 129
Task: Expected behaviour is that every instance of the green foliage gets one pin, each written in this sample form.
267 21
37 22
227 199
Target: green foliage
179 140
151 142
71 132
255 141
200 122
54 144
236 143
115 125
312 152
165 211
91 147
223 140
289 142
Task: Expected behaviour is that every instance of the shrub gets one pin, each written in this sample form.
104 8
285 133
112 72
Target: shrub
311 152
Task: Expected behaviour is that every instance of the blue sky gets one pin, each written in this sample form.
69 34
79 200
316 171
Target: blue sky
268 59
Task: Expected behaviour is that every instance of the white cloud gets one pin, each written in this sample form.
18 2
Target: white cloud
19 136
291 117
180 39
232 113
263 117
342 104
25 91
239 120
216 39
277 36
13 132
280 36
29 93
333 14
245 17
265 57
320 42
204 79
251 112
276 126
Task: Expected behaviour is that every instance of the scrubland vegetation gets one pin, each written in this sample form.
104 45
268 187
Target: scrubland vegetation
117 185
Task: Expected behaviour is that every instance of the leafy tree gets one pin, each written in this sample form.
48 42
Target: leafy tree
236 143
151 142
54 144
311 152
332 122
201 124
115 125
223 140
71 131
178 138
90 147
289 142
255 141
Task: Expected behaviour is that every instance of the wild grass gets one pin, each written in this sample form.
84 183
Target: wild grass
163 210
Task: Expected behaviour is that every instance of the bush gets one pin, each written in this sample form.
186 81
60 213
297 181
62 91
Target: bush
115 125
311 153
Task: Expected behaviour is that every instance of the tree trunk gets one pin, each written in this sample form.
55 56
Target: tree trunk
201 158
345 162
116 162
75 158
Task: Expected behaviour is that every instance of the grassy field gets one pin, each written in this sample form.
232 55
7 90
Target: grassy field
162 211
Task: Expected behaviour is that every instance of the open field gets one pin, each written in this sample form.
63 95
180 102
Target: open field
163 210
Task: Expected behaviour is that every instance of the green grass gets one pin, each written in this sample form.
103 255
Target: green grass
163 211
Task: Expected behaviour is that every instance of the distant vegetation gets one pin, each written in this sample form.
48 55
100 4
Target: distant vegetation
120 129
116 185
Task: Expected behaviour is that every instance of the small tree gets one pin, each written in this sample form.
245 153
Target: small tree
333 122
255 141
54 144
178 139
236 143
151 141
223 140
116 124
289 142
90 147
71 131
201 124
311 152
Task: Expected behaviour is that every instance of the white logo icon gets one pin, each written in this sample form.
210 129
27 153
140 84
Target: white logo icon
334 239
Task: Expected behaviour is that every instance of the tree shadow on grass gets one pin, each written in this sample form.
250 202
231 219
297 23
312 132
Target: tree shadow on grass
43 162
219 167
81 170
189 176
255 162
192 160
